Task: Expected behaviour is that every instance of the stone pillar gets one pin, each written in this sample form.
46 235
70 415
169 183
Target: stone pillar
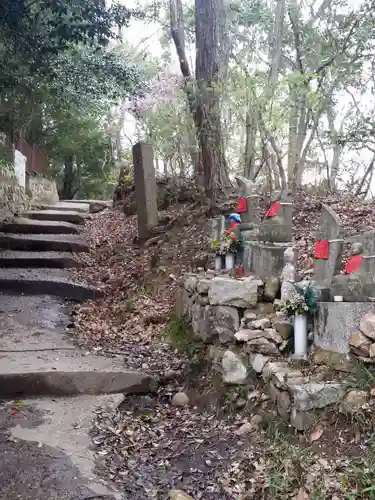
145 188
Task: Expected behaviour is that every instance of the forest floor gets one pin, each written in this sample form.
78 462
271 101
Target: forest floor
149 446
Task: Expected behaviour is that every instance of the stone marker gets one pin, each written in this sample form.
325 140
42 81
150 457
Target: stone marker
145 188
288 276
330 230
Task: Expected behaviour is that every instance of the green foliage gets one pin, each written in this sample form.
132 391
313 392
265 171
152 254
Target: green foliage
180 335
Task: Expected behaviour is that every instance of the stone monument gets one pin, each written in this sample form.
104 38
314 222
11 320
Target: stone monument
248 207
265 257
145 189
329 246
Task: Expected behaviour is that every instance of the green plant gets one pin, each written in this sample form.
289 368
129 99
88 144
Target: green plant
180 334
215 245
304 301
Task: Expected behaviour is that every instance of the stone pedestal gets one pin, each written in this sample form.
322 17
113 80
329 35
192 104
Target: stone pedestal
335 321
264 260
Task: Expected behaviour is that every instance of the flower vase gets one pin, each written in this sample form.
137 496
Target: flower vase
300 337
229 260
218 263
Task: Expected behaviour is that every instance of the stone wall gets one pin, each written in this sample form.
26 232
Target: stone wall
13 198
41 190
246 333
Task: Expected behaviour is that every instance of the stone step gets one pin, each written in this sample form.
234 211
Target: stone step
43 242
30 226
95 205
59 260
55 282
73 205
56 215
39 361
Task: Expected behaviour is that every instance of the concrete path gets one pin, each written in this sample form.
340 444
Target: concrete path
44 442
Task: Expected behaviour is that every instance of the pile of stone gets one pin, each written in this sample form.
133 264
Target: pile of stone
224 310
362 341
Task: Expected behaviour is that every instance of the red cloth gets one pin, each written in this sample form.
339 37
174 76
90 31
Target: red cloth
321 249
353 264
233 226
273 210
242 205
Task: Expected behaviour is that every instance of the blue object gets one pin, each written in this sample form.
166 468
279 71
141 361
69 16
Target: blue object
235 217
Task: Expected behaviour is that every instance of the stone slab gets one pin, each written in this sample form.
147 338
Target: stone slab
19 259
43 242
53 282
335 321
95 205
40 361
30 226
64 206
55 215
234 293
315 395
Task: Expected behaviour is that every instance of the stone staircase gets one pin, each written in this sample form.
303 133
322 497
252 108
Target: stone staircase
37 248
39 359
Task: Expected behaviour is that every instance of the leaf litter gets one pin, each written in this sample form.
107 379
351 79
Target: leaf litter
148 446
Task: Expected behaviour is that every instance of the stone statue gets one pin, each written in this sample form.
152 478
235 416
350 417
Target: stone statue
246 186
288 275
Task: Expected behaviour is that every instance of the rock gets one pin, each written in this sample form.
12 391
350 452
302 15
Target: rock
284 404
264 308
355 400
179 495
180 399
209 322
202 300
315 394
360 342
302 420
231 292
249 315
240 403
284 344
234 370
215 354
262 346
277 304
190 284
271 334
367 325
333 360
245 428
260 324
283 327
271 288
203 286
258 362
244 335
372 351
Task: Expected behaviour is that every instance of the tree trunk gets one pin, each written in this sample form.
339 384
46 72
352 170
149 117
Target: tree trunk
68 188
249 156
211 65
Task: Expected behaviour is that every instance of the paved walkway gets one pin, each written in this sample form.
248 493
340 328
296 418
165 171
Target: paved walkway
44 442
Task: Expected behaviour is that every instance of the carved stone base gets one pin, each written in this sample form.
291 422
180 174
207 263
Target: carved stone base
264 260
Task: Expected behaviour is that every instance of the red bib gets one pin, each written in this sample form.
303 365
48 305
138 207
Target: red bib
273 210
353 264
242 205
321 249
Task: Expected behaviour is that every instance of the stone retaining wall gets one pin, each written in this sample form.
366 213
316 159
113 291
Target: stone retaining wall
246 332
13 198
41 190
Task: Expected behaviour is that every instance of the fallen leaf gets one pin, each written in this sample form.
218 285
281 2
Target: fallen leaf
316 433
